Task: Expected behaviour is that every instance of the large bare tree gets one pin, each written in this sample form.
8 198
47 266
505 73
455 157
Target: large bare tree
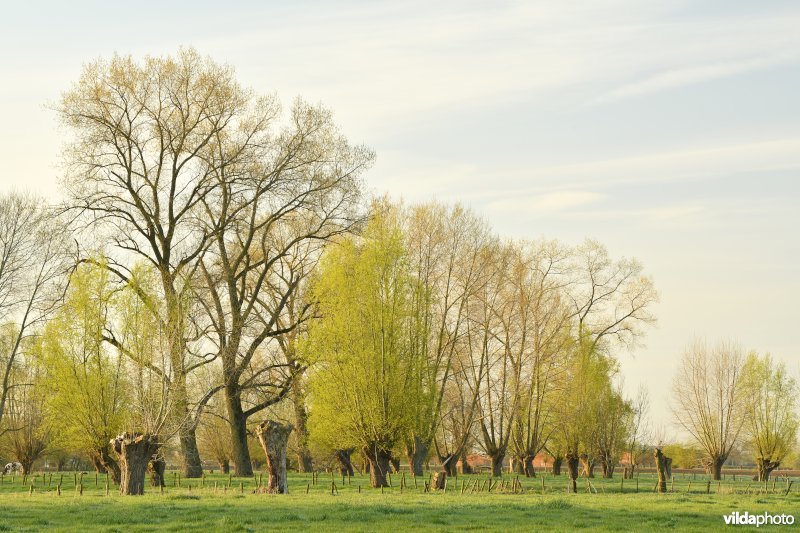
447 257
275 205
612 303
142 157
707 398
542 279
30 436
637 431
501 344
33 264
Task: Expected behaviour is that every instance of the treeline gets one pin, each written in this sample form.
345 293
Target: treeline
435 337
216 262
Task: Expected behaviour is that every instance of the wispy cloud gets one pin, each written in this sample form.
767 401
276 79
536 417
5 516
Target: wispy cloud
667 166
546 204
680 77
385 61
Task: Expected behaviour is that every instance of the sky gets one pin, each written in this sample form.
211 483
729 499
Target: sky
667 130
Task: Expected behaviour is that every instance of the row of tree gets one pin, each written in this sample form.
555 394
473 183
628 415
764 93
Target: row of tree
434 336
444 337
722 396
214 261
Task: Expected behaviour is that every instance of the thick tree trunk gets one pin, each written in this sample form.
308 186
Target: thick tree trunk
192 465
304 460
394 463
587 465
224 466
557 461
134 452
242 465
105 463
378 465
661 470
27 466
608 467
573 463
176 322
274 438
417 455
528 468
716 468
438 481
98 465
497 463
466 468
668 466
765 468
517 465
449 463
345 464
156 469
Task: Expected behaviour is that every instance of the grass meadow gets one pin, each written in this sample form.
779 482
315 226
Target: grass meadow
221 503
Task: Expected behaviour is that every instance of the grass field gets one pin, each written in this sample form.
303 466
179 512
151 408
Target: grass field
215 506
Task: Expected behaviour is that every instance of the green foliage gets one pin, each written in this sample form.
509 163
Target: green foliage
82 383
585 391
770 409
361 344
684 455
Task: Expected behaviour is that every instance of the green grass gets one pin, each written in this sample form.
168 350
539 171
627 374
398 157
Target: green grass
229 509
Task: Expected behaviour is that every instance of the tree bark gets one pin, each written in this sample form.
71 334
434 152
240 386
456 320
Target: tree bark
224 466
274 438
242 465
716 468
345 464
466 468
661 469
394 463
378 465
588 465
156 469
187 435
573 463
528 468
557 461
438 481
192 465
628 472
104 462
134 451
95 459
417 454
449 464
497 463
304 460
668 466
765 468
608 467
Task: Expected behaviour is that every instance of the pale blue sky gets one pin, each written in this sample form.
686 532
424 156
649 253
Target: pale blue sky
670 131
